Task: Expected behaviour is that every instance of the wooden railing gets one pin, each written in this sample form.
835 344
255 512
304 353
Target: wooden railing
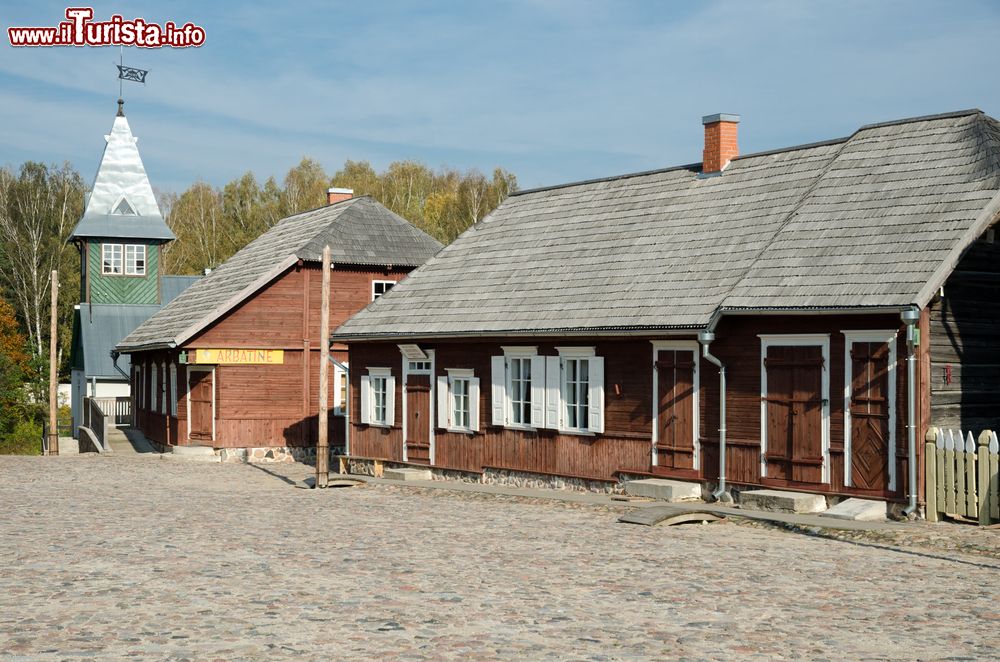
119 409
96 420
962 475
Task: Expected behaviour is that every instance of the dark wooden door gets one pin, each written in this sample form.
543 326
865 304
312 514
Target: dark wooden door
675 443
794 399
418 413
869 407
200 387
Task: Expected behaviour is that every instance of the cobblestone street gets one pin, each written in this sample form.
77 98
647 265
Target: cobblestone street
111 557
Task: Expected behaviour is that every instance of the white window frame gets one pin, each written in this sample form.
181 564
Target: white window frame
678 346
163 389
368 398
131 212
173 389
135 249
341 387
875 336
154 401
105 270
391 283
821 340
536 385
447 414
577 354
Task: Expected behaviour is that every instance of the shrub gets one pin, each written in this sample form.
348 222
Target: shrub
24 439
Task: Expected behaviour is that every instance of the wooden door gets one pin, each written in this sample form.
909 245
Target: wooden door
201 393
675 443
794 405
869 412
418 418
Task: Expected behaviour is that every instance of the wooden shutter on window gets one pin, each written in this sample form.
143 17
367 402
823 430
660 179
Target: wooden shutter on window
538 391
390 401
596 406
443 405
474 403
552 392
366 399
498 389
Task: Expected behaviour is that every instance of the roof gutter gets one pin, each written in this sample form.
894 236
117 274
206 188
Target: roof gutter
132 349
819 310
528 333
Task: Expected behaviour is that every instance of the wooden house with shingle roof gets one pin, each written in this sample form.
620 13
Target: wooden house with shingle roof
233 362
803 314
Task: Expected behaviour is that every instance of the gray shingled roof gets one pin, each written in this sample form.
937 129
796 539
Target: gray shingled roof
875 219
359 231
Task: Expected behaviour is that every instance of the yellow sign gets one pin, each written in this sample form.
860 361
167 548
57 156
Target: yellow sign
240 356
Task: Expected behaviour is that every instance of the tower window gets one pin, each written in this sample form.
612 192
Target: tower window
123 208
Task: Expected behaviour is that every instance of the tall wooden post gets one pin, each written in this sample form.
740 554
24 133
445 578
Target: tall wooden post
53 369
323 443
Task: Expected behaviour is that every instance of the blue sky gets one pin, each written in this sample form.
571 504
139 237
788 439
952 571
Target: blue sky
553 90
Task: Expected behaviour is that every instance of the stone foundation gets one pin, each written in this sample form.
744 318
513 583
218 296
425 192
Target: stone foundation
274 454
505 477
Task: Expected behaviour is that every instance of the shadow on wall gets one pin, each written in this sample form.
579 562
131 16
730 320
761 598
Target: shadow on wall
965 343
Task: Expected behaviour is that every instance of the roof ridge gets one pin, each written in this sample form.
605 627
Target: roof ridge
921 118
985 125
779 150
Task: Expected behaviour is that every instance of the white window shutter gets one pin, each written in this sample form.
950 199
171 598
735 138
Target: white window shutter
173 389
552 382
366 399
336 404
499 389
444 408
596 407
538 391
474 403
390 401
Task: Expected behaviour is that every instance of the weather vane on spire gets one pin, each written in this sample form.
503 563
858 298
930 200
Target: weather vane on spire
124 74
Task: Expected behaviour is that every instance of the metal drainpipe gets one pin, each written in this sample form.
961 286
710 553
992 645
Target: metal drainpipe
706 338
910 317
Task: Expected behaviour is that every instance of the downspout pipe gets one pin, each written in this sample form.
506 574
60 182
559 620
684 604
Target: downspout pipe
114 361
347 404
910 317
705 338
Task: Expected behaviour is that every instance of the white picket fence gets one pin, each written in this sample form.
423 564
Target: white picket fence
962 475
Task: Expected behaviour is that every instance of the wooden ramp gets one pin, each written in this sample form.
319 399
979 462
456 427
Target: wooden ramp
669 515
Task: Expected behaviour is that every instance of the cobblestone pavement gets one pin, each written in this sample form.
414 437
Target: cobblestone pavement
111 557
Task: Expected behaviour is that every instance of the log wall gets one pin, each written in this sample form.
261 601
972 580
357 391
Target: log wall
625 447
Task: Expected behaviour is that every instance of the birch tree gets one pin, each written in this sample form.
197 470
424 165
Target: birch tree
39 207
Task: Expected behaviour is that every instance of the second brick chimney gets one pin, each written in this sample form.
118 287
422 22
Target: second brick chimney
338 195
720 142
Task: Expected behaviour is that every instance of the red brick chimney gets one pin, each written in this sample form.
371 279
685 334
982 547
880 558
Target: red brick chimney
338 195
720 142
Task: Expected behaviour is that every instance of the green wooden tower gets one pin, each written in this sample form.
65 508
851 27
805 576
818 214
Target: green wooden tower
120 238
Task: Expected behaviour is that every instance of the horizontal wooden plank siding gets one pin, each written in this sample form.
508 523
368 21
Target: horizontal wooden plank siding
272 405
625 446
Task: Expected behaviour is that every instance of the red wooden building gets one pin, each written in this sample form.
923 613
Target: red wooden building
233 362
802 314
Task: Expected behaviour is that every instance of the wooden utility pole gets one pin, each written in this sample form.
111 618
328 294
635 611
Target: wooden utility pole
53 369
323 442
